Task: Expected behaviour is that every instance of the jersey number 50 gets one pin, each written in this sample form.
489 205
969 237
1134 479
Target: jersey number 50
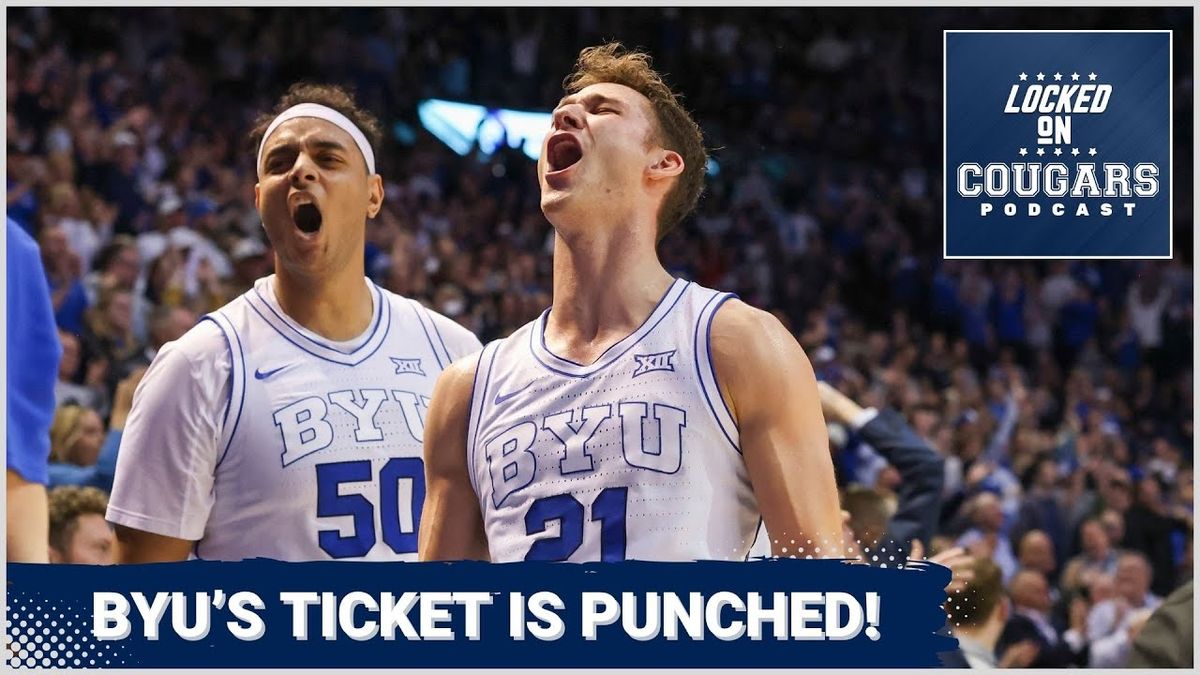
399 527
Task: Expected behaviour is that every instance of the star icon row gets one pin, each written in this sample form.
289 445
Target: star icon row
1057 152
1041 77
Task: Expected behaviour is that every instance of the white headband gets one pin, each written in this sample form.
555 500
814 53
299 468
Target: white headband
329 115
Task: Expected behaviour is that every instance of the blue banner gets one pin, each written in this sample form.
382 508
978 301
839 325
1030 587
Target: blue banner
259 613
1058 144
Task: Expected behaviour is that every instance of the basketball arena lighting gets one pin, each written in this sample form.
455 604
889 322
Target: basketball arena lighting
461 125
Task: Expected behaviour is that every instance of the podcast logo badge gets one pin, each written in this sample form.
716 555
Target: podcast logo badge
1058 144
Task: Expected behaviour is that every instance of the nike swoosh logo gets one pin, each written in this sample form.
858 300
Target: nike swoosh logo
260 375
501 399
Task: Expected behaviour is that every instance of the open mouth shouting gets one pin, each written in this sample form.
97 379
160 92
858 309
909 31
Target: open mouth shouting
305 213
563 151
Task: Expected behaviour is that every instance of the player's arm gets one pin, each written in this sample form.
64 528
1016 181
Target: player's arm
33 340
451 525
163 487
28 521
769 385
139 546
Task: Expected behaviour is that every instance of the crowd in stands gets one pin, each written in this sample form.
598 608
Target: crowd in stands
1058 394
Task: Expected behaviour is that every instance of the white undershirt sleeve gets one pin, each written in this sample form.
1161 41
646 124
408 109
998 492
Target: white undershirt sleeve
170 447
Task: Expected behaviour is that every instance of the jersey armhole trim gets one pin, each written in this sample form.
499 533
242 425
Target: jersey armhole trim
425 320
706 371
438 333
757 533
237 382
476 412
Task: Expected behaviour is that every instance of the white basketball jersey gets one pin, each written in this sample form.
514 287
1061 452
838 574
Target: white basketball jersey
632 457
321 453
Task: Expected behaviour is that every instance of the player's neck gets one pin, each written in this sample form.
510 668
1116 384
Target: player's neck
337 307
604 288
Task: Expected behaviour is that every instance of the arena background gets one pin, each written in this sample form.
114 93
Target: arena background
1056 392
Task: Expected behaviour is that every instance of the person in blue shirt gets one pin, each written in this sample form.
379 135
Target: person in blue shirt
33 354
65 274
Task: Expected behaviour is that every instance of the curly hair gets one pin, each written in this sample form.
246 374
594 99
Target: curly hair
676 130
66 504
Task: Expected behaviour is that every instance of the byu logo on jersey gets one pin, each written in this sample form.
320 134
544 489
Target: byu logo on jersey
512 463
306 429
407 366
648 363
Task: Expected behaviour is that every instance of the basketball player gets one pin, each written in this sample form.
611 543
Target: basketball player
288 423
641 416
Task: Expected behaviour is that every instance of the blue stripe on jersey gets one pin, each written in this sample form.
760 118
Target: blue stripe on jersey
377 316
229 392
474 441
473 422
600 363
237 380
387 307
757 532
720 300
416 308
438 333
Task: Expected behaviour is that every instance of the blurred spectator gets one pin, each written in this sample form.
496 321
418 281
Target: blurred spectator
1147 301
986 539
118 268
919 470
66 389
167 324
1036 552
251 261
76 436
1041 508
73 467
79 534
109 339
1097 557
64 271
1151 528
977 619
1113 624
1030 621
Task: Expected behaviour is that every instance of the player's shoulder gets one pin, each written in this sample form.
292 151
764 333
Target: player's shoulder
736 321
458 339
459 377
748 336
201 344
196 367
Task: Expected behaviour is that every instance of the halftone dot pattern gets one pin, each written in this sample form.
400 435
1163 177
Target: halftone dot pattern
35 634
864 553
